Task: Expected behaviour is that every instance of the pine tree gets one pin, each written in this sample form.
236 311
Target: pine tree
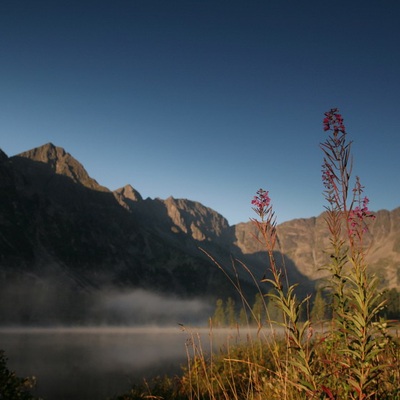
392 309
274 314
219 315
258 309
230 312
318 310
243 320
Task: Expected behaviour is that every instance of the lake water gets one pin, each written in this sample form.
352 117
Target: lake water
92 363
95 363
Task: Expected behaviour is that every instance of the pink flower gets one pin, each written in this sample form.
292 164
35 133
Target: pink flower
261 202
357 218
328 176
334 121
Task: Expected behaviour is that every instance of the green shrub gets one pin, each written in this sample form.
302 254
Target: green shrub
11 386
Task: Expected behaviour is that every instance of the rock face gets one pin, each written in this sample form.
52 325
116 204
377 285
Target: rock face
58 222
185 216
193 219
384 254
306 241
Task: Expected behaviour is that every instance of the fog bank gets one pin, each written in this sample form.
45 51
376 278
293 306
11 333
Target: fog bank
48 302
138 307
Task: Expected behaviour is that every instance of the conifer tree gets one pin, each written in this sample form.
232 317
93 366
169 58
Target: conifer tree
219 314
273 312
230 312
258 309
318 310
243 320
392 309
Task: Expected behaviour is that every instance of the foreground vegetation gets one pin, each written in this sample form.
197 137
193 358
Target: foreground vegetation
13 387
251 371
351 356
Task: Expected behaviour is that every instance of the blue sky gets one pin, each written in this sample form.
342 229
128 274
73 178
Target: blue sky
206 100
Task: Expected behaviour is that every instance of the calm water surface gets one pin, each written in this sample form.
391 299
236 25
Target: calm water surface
92 363
97 363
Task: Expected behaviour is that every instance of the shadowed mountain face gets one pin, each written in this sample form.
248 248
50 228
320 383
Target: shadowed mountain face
63 219
58 225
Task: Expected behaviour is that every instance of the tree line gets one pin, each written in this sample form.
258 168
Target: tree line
228 314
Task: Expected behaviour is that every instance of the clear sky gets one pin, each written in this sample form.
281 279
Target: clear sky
206 99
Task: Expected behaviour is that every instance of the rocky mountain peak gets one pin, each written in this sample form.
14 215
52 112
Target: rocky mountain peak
127 196
130 193
48 154
62 163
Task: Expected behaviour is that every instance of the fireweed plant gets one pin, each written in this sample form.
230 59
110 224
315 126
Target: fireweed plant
346 362
361 337
297 365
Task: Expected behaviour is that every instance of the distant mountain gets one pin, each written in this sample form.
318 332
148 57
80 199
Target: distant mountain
60 229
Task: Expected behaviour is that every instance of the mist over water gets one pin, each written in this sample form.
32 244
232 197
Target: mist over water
94 363
143 307
94 345
50 301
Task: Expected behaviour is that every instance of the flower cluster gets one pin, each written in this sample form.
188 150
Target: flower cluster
334 121
261 202
357 218
328 176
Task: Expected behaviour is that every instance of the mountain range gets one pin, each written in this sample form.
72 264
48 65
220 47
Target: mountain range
62 236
